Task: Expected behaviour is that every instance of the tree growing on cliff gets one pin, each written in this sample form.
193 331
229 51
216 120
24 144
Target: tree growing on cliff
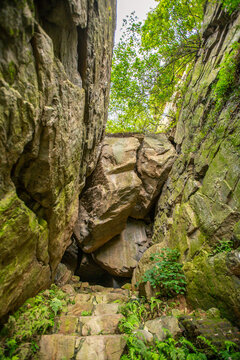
148 62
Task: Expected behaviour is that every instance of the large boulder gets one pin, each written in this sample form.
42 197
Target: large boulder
54 84
108 201
154 162
126 182
121 255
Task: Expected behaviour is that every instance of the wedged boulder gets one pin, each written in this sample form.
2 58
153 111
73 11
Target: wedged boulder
154 162
111 195
126 182
121 255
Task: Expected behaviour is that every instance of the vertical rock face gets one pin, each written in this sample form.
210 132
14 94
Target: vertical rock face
54 85
200 203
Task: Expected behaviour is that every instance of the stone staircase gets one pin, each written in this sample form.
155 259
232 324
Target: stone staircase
88 328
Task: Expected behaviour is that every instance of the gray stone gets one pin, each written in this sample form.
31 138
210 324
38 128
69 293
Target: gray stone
144 335
160 327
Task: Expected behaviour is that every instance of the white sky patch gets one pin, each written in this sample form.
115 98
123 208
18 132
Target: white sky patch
126 7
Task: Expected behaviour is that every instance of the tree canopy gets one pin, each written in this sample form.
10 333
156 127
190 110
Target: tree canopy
149 61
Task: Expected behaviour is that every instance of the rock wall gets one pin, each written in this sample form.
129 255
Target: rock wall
200 203
54 86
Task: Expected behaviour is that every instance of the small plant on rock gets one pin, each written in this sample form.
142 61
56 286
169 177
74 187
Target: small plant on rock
166 273
224 245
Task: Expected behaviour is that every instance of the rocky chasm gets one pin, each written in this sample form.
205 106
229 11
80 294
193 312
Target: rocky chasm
73 200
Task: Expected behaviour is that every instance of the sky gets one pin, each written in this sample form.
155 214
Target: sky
125 7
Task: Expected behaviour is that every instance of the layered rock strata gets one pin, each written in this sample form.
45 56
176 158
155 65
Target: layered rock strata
54 84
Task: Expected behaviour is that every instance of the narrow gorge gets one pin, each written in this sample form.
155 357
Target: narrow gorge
83 212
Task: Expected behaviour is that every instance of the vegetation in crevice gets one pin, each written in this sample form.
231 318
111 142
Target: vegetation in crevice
20 335
166 273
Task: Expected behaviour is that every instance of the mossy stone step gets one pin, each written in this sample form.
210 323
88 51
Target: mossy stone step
89 325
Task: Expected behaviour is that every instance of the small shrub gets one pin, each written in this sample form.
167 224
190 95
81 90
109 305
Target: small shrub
166 273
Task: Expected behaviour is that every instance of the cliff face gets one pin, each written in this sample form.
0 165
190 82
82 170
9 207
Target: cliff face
54 86
199 207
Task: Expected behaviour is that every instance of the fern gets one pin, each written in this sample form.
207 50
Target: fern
208 343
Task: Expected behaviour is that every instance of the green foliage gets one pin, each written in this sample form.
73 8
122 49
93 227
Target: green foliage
169 349
228 353
86 313
231 5
12 71
149 61
134 313
225 245
166 273
181 349
228 74
34 318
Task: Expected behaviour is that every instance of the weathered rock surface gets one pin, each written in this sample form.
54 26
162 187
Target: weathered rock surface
54 84
71 256
107 203
158 327
63 275
154 162
120 255
126 182
216 330
200 203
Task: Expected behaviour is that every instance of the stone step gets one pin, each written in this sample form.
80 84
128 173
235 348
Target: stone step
89 325
102 324
110 297
104 309
99 309
101 347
